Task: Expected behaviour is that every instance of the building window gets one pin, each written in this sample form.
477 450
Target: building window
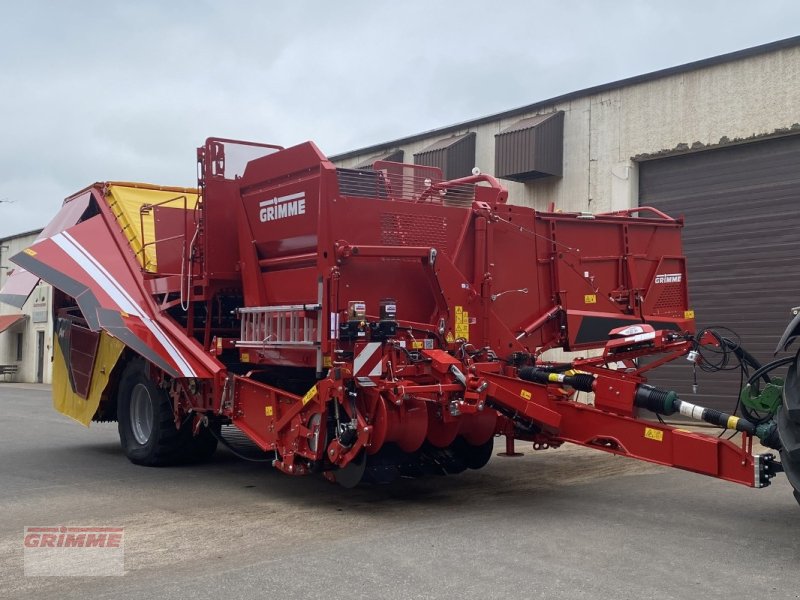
19 347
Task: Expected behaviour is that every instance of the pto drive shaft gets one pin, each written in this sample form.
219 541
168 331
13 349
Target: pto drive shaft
666 403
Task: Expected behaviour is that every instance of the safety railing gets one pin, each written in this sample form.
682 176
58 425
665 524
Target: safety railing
406 183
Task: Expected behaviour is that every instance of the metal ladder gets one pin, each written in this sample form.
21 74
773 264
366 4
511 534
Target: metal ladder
291 326
285 326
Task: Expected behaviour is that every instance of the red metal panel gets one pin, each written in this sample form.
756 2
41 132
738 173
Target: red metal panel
111 295
174 229
695 453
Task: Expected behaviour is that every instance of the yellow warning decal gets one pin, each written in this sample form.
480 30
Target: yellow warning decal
245 357
268 411
654 434
688 314
525 394
590 299
326 361
309 395
462 323
449 337
29 252
416 345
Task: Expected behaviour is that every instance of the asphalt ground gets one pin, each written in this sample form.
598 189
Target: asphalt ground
567 523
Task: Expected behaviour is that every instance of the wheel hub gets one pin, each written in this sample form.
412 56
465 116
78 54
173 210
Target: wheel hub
141 414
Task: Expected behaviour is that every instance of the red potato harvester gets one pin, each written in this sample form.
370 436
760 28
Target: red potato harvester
374 323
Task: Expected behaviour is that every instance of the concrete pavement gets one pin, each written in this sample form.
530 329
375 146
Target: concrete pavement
566 523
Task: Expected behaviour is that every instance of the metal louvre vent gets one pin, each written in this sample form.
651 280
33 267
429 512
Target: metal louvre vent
455 156
531 148
393 156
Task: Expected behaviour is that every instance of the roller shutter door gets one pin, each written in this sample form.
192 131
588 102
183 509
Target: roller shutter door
742 242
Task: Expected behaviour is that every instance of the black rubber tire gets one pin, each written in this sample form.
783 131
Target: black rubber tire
165 444
789 428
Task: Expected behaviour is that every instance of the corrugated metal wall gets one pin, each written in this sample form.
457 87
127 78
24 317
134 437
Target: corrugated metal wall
742 242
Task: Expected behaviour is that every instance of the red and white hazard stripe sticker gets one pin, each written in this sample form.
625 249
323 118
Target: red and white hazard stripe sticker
368 362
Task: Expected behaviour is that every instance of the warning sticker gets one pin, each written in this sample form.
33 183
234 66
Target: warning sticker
309 395
590 299
525 394
268 411
654 434
462 323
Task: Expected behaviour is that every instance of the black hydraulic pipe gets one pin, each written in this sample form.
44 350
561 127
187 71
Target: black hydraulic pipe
583 382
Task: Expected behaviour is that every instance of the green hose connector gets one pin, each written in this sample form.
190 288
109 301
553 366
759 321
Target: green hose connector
765 398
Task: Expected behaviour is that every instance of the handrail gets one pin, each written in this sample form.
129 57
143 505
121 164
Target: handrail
481 177
146 209
630 211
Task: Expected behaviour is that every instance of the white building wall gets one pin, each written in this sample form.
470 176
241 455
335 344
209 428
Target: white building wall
754 96
29 328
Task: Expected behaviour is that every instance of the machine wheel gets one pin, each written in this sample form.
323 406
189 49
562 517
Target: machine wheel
147 429
474 457
788 419
352 473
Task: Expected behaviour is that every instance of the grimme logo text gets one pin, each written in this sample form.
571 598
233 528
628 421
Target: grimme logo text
282 207
669 278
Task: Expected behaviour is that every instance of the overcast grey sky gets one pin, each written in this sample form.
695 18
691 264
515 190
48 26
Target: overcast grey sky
126 90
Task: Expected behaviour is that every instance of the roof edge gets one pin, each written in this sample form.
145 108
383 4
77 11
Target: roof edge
636 79
23 234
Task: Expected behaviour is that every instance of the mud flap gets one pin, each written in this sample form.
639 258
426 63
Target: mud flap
67 398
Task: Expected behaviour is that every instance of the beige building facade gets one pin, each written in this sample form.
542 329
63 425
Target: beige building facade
27 337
